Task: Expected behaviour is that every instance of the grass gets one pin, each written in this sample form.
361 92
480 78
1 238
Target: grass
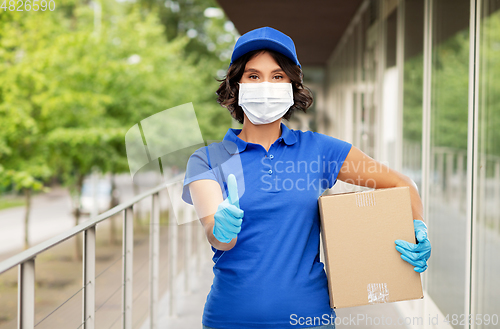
11 199
11 202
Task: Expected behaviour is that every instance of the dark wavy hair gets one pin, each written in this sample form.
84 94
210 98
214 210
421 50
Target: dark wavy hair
227 94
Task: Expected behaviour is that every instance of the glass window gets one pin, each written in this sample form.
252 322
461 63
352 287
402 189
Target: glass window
447 179
369 105
487 222
355 120
389 109
412 90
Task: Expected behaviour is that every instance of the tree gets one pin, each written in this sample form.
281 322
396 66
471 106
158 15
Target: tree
70 89
22 151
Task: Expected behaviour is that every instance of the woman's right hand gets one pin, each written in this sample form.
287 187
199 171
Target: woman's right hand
229 216
208 202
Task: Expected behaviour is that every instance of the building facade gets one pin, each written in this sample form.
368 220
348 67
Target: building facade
413 83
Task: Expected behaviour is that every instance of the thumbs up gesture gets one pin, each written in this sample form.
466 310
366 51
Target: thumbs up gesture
228 218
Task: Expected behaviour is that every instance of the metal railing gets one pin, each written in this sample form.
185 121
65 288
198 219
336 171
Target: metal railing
448 180
26 260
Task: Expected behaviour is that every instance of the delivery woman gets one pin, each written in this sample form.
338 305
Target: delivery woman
256 195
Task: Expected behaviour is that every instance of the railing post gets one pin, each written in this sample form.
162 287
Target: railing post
196 245
201 246
128 247
154 260
187 246
496 195
461 179
440 170
449 174
172 247
26 295
89 278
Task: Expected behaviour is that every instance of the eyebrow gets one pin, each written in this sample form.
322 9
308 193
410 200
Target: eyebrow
255 70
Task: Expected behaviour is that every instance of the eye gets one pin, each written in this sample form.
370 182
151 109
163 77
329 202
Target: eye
253 76
278 77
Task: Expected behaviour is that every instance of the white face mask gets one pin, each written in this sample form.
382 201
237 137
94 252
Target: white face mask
265 102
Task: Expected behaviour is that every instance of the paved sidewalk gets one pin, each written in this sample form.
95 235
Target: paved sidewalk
189 306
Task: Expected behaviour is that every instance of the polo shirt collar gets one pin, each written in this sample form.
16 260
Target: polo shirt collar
234 144
288 136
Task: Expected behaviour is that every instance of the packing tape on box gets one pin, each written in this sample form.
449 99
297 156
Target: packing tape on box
365 199
377 293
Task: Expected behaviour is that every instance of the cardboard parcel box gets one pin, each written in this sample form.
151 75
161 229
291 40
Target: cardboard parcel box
362 263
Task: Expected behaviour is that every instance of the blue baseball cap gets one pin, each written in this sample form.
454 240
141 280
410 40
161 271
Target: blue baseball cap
265 38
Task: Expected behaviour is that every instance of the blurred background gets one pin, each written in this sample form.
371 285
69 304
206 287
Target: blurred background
75 79
75 76
412 83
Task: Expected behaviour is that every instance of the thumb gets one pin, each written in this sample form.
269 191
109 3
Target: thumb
421 236
420 230
232 188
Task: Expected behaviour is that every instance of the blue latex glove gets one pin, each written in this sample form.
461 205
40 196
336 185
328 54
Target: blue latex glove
416 254
228 217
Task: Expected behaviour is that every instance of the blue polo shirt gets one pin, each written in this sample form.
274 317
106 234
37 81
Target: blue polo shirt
272 277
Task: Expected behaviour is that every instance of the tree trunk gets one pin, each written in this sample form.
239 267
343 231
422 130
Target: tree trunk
27 195
114 202
77 213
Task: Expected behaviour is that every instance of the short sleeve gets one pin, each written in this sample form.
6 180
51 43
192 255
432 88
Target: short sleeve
198 167
334 153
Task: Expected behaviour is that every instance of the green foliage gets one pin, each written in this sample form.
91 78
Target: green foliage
413 102
69 89
450 79
209 37
75 151
450 87
489 89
